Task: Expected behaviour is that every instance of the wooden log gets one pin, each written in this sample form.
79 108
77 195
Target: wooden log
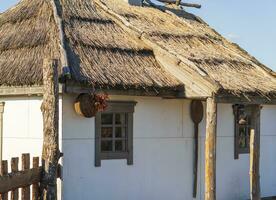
255 154
178 2
25 192
20 179
50 111
3 172
35 186
14 169
210 149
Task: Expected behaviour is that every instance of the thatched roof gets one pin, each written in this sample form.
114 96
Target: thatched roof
112 44
99 51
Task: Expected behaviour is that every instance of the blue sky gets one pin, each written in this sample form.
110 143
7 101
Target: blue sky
250 23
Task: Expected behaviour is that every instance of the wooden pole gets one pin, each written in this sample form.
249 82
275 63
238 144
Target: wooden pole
50 112
210 150
255 154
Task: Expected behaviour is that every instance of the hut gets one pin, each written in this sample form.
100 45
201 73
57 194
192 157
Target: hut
158 66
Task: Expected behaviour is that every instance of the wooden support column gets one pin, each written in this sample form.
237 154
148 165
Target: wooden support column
50 111
210 149
255 153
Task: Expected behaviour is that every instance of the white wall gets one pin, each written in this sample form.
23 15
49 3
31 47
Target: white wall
163 150
23 127
162 155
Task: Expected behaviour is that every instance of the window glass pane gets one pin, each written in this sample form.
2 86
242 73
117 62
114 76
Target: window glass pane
120 132
107 119
242 137
120 145
106 146
120 118
106 132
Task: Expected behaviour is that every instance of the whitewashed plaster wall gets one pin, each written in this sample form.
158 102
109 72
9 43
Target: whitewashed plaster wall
23 127
163 155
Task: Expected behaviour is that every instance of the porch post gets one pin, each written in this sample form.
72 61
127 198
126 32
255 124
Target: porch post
50 112
210 149
255 153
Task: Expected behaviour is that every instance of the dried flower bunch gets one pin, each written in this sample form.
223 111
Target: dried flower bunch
100 102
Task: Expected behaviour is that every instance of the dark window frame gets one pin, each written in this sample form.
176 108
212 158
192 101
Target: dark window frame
241 109
115 107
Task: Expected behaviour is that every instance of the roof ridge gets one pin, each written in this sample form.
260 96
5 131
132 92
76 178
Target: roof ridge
64 57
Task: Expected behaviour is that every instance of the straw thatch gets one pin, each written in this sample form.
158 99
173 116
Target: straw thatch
27 35
196 44
101 51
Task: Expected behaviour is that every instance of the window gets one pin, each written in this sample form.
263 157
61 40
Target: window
242 115
114 133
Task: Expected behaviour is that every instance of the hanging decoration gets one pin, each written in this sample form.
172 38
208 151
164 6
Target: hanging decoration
88 105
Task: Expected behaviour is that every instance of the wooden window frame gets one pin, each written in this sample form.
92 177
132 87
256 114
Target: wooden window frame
126 107
237 149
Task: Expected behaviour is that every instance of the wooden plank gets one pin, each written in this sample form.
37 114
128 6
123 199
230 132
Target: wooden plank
25 192
210 150
253 100
50 112
35 186
6 91
255 154
19 179
196 112
14 169
3 172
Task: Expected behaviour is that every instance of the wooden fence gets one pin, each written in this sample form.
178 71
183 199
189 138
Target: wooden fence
25 178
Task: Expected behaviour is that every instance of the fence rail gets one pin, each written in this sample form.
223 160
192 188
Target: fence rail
24 178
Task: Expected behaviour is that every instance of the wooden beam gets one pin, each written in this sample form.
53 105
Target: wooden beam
210 149
178 2
255 154
50 112
23 91
242 100
75 89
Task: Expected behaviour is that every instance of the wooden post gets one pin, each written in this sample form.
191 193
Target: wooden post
210 150
50 112
14 168
25 192
4 171
35 187
255 154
